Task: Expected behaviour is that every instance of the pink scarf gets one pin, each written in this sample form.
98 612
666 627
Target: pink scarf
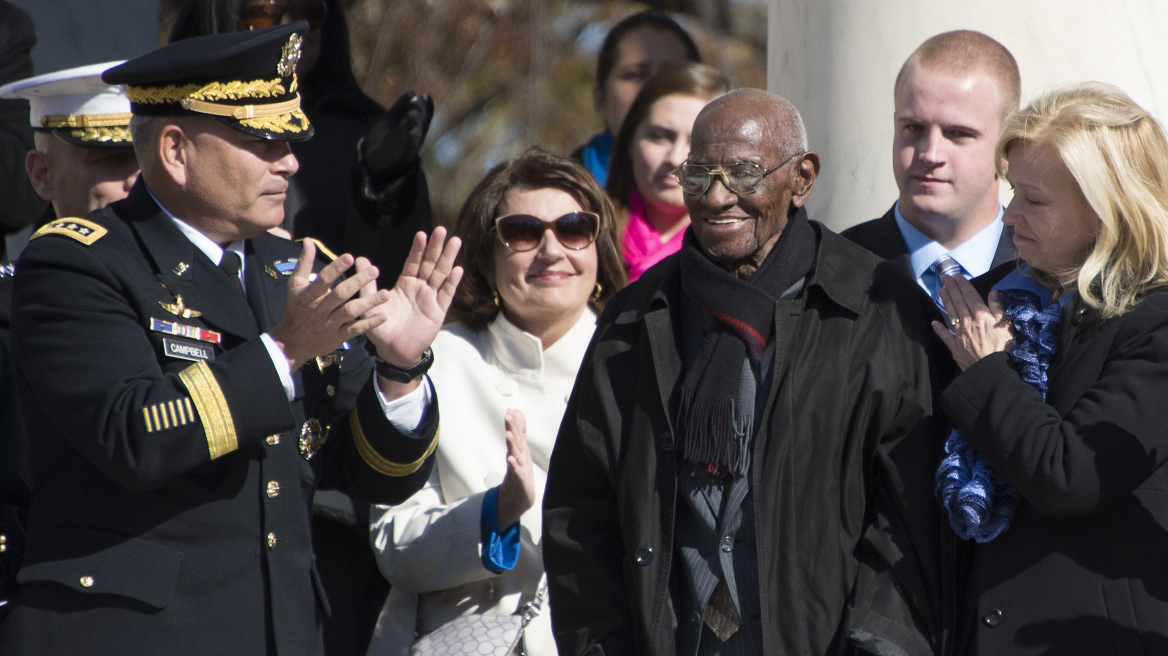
642 243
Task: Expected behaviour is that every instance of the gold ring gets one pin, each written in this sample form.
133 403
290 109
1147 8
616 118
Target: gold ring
956 323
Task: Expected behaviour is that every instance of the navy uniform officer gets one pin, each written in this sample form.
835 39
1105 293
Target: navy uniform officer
180 415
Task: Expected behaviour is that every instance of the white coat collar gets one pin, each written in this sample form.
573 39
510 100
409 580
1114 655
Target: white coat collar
522 353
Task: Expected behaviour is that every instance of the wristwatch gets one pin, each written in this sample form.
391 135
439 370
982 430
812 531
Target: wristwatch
399 375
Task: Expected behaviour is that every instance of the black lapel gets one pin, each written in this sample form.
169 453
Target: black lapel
1006 251
185 271
267 286
892 247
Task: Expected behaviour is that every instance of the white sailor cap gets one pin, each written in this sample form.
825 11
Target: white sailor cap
76 105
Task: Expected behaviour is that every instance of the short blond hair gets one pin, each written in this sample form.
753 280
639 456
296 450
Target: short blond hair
1117 154
965 52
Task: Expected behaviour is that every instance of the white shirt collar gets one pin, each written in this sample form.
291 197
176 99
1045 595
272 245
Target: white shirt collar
212 250
975 255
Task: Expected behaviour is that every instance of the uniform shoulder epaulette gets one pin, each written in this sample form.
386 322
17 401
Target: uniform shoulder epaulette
321 248
82 230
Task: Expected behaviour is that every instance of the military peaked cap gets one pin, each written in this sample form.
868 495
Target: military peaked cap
75 105
245 79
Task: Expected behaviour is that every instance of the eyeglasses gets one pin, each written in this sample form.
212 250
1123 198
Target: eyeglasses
523 232
739 177
258 14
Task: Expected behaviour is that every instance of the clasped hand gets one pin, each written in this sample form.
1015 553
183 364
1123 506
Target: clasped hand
975 329
320 314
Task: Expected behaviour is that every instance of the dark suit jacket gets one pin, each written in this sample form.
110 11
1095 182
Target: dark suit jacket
172 491
1081 569
882 237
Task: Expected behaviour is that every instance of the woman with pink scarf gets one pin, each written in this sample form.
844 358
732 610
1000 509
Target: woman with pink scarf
654 140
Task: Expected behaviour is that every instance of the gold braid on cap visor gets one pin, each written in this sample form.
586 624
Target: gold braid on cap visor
283 116
57 121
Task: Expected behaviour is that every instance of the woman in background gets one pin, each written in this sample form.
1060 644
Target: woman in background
634 51
1060 402
652 142
540 260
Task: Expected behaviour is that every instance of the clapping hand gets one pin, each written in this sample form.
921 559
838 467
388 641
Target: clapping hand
413 311
318 316
517 492
975 329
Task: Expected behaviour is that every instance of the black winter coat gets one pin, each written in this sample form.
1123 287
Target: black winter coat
850 384
1082 568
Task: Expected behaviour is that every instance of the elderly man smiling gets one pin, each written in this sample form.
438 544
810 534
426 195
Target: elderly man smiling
721 453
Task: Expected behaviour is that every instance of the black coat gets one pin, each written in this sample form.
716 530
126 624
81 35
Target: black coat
1082 567
850 382
139 540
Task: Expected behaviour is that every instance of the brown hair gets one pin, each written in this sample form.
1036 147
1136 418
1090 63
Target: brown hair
697 80
964 52
651 18
474 302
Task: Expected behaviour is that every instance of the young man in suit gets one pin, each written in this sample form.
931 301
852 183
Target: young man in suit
952 96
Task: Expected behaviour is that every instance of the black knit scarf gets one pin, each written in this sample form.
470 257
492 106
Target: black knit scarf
716 418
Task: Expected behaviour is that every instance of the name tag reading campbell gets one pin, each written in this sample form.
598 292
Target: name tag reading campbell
184 350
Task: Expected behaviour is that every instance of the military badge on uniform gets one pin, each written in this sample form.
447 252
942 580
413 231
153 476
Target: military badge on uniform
193 332
285 267
171 414
312 437
181 268
325 361
290 56
81 230
178 308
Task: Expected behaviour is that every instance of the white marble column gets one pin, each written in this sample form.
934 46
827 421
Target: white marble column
837 60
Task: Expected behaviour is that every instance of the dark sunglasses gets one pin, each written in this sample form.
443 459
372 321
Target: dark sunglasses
523 232
258 14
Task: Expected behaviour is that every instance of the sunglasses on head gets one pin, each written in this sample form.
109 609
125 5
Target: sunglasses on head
523 232
258 14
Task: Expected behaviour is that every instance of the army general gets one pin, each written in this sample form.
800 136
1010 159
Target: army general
189 379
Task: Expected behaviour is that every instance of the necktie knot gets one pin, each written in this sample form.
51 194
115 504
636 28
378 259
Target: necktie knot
230 265
946 266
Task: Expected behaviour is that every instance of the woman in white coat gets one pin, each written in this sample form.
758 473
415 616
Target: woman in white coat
540 257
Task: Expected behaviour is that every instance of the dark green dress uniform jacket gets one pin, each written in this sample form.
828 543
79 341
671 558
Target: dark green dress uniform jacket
172 494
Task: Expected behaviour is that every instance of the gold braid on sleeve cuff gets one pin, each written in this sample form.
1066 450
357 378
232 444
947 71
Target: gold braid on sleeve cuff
214 413
375 459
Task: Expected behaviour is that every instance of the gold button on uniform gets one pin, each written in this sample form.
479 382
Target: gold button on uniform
87 581
272 439
3 543
330 390
273 489
271 540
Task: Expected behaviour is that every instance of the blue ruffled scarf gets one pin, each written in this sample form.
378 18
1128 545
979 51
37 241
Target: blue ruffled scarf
979 503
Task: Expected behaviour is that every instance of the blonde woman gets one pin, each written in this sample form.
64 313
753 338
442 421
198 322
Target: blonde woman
1064 406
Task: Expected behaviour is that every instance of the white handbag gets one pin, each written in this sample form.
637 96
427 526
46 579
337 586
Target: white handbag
485 635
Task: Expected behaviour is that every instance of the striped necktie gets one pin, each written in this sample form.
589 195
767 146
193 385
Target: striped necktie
944 266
